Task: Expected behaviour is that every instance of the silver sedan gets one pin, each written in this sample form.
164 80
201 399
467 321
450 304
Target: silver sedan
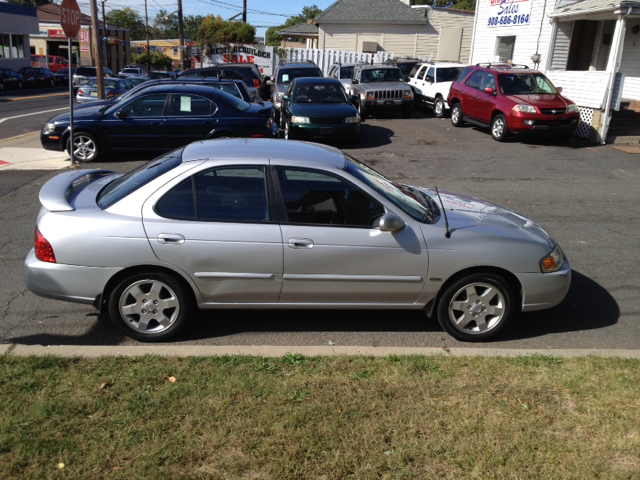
244 223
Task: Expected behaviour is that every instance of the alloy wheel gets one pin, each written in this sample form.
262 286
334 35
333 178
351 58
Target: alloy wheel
477 308
84 148
438 108
497 129
149 306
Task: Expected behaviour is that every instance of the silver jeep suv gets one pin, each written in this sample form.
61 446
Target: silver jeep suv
381 87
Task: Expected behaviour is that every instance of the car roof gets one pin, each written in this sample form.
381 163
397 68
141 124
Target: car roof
182 87
377 65
315 80
443 64
506 67
297 65
264 148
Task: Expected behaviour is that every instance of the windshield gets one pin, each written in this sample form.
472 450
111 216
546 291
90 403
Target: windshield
28 71
319 94
381 75
525 84
399 195
285 76
130 182
130 70
346 72
63 71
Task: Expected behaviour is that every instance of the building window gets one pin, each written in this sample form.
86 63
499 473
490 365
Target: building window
175 51
11 46
504 48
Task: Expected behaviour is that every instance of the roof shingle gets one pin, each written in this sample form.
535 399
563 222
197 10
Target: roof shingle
372 11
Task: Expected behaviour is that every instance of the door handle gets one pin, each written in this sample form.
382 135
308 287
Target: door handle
156 123
300 243
171 238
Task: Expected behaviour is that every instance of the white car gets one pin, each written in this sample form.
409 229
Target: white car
132 72
430 83
344 73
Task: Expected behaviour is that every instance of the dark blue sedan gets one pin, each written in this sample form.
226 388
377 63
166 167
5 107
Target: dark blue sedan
159 118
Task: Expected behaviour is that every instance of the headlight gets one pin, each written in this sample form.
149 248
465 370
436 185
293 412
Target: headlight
408 94
48 128
525 109
300 120
355 119
572 108
552 262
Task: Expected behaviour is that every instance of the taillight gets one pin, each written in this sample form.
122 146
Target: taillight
44 251
110 94
256 83
80 92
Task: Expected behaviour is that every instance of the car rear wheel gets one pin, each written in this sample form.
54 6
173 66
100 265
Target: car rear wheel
476 307
150 307
438 107
85 147
499 129
456 115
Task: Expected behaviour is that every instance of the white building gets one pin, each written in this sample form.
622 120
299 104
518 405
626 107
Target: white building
16 24
590 48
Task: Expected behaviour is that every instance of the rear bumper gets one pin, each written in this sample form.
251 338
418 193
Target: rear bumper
70 283
544 290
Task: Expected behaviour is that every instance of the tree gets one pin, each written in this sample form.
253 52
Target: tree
158 60
191 25
216 31
165 26
128 18
273 39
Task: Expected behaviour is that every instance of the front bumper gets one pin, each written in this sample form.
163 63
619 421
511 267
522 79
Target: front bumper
325 131
544 290
386 104
70 283
525 123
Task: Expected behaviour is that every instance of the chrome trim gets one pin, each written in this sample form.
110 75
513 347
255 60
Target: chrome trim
243 276
353 278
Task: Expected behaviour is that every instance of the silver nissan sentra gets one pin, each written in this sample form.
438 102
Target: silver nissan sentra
259 223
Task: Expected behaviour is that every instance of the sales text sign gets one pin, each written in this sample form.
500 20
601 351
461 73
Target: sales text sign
507 13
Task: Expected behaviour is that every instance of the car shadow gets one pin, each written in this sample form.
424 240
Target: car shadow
588 306
539 140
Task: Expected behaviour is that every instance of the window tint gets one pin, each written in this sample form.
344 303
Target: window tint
475 79
148 106
489 81
233 75
86 71
525 84
464 74
234 102
346 72
288 74
232 194
414 70
189 106
229 88
431 75
447 74
178 202
317 198
130 182
323 93
381 75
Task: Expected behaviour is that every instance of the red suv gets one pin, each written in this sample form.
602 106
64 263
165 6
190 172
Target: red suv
511 99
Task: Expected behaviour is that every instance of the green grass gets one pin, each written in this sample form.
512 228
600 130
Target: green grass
320 418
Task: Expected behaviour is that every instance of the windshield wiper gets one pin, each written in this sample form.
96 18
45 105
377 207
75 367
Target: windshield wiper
427 201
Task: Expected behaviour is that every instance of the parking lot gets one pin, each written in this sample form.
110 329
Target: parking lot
584 195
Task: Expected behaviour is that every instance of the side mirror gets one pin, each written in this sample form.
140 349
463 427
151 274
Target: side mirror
270 83
355 81
559 89
285 97
390 222
120 114
489 90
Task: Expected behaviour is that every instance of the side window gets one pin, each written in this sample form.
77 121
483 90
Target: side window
489 81
189 106
317 198
422 73
475 79
414 71
463 74
232 194
178 202
431 75
148 106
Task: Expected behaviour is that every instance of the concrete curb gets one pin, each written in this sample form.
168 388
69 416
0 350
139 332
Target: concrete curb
95 351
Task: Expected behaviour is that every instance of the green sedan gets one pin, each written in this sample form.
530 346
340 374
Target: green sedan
319 108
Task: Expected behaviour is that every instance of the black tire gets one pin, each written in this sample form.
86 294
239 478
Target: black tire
463 308
1 87
499 129
407 112
127 309
87 147
456 115
438 107
362 111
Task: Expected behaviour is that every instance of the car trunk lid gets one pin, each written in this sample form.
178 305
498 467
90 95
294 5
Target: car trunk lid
62 192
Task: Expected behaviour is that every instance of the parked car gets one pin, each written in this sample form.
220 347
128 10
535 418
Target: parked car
159 118
83 74
284 74
54 62
61 77
431 83
157 74
247 75
406 65
257 224
344 73
379 88
135 81
319 108
10 79
259 80
113 88
131 72
37 77
511 99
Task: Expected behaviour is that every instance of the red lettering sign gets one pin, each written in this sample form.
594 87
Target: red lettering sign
70 18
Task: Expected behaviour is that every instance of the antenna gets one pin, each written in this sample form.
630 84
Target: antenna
447 233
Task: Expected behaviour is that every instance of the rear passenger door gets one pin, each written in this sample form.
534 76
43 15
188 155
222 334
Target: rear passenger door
470 100
190 118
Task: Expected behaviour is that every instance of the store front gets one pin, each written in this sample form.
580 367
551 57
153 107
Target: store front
16 24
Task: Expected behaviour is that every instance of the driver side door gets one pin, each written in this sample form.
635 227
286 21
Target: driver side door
138 125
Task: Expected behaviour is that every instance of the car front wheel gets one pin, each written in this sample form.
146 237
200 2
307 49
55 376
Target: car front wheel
499 130
438 107
150 307
456 115
85 147
476 307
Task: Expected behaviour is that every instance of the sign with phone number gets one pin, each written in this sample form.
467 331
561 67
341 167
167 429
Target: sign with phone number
504 13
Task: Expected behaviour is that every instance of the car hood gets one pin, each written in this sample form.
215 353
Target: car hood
540 101
323 110
466 212
383 86
92 111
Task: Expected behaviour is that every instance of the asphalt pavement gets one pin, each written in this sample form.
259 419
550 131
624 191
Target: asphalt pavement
585 195
26 111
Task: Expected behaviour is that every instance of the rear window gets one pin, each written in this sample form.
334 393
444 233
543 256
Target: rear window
346 72
132 181
286 75
86 71
130 70
234 102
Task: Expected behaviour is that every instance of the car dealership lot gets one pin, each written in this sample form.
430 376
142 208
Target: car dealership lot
585 196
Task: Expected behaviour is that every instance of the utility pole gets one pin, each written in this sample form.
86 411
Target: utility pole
181 34
104 24
244 11
97 51
146 14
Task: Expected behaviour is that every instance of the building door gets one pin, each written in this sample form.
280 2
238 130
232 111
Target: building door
582 46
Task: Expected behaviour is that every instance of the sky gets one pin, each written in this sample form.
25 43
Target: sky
275 12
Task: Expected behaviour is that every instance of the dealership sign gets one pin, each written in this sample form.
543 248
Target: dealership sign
509 13
262 57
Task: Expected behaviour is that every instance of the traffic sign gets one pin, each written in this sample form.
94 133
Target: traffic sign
70 18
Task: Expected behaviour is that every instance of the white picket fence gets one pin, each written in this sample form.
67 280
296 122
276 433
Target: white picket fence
325 58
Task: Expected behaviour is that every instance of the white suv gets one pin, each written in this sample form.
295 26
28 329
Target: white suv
430 83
